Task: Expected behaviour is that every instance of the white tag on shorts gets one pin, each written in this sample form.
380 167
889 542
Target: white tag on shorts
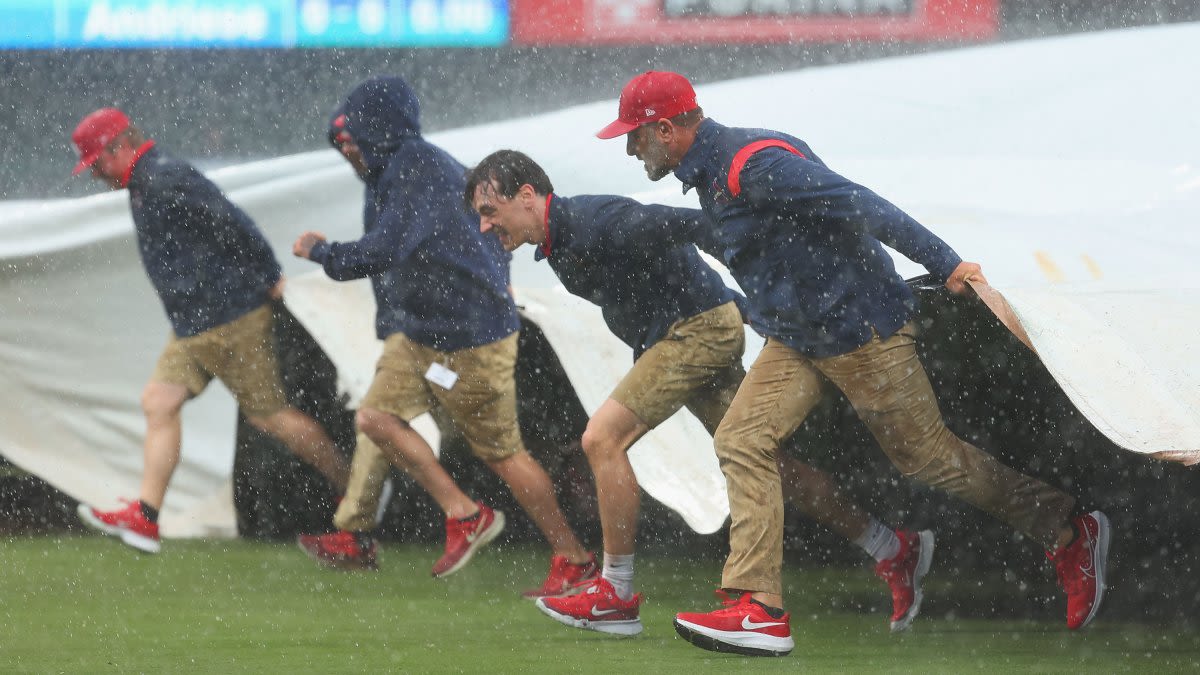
441 376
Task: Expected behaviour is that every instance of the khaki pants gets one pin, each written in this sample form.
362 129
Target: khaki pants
890 391
368 471
697 364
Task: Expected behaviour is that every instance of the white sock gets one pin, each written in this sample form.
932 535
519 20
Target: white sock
618 569
879 541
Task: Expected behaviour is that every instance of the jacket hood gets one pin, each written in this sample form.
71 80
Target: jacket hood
380 114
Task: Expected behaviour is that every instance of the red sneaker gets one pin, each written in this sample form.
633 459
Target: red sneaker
128 523
599 608
903 574
463 539
742 627
340 550
1081 567
566 577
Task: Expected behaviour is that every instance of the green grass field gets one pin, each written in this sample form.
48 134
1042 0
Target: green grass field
91 605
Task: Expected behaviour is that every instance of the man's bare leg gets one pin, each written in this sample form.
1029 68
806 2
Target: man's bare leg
535 493
308 440
407 450
162 404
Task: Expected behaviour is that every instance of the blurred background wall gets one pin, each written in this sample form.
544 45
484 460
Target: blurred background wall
232 104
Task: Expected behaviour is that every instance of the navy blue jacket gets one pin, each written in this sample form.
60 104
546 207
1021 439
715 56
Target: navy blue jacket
435 279
803 242
608 251
208 261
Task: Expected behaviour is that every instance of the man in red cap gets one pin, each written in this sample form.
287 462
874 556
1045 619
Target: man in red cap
806 246
216 276
687 335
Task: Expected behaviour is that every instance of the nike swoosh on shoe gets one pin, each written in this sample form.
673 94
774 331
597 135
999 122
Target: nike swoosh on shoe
753 625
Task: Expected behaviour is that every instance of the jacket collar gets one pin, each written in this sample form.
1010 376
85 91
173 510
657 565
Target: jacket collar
137 157
696 161
554 216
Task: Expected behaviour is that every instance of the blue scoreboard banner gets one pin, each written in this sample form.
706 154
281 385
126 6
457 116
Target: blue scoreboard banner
252 23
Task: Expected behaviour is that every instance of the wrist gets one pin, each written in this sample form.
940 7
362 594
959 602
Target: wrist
319 252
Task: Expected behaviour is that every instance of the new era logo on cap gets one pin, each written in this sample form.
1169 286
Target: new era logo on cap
649 97
94 133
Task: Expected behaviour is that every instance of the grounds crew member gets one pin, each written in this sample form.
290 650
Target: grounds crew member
449 327
215 275
806 246
686 332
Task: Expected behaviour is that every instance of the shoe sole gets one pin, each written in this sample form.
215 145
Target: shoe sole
341 565
129 538
1100 557
924 561
484 539
744 643
621 627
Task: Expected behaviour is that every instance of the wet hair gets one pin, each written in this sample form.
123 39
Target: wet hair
689 118
509 170
131 135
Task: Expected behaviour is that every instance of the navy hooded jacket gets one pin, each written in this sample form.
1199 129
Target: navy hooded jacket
607 250
803 242
434 277
208 261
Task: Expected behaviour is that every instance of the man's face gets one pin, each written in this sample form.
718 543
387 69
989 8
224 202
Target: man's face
354 156
110 165
509 219
645 143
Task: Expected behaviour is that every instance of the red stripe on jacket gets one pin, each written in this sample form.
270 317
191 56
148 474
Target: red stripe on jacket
739 160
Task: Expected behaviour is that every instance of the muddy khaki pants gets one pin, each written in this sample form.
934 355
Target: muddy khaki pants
890 391
368 471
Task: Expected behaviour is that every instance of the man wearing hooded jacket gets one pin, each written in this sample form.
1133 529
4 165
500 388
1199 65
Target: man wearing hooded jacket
449 327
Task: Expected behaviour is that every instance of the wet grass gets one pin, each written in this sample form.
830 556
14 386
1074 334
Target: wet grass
87 604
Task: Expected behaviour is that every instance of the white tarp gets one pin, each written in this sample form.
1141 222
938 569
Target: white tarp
1067 167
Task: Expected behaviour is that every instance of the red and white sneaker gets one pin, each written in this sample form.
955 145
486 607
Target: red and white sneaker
463 539
742 627
1081 567
566 577
599 608
128 523
903 574
340 550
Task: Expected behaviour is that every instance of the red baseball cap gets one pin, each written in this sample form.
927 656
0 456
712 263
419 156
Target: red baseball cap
650 97
94 133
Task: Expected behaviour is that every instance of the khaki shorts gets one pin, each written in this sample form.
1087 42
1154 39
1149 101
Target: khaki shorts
482 403
240 353
697 364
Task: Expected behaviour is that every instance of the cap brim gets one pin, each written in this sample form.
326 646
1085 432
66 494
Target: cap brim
616 128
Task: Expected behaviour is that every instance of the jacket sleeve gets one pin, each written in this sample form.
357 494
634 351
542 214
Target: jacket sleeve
236 234
778 182
626 223
403 222
502 257
903 233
